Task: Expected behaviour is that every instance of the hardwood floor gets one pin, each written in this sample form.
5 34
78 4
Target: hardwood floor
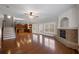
27 43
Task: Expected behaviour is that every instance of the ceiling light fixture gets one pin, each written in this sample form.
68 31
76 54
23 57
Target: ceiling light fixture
31 15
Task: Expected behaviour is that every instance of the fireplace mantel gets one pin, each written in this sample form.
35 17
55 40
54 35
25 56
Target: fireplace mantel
67 28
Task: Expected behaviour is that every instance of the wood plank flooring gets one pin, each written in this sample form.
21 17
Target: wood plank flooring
27 43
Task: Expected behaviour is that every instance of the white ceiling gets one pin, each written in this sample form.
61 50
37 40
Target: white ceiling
46 12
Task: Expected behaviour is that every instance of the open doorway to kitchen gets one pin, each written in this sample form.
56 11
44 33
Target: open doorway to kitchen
23 28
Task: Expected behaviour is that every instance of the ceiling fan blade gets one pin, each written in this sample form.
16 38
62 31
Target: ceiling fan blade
30 14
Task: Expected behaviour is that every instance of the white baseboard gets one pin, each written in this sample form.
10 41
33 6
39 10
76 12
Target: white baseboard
48 34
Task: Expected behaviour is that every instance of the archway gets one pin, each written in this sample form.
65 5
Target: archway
64 22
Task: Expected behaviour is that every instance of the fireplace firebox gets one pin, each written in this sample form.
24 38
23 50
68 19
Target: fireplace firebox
63 34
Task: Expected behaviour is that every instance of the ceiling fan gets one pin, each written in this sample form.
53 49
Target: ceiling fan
31 14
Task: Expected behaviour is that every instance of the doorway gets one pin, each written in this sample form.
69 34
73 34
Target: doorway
23 28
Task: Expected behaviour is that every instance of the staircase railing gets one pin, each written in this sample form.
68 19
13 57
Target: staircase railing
15 27
3 23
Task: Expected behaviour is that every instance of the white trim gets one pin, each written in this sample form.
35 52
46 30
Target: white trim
67 28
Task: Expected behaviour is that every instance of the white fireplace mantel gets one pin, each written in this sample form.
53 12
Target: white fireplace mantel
67 28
